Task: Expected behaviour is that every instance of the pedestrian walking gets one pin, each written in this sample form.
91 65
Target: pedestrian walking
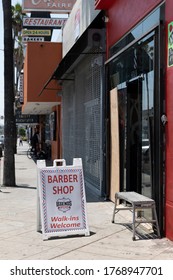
35 141
20 141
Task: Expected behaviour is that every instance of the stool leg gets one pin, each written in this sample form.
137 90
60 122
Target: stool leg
113 217
133 225
155 218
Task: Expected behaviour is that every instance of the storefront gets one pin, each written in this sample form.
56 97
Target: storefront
81 74
83 120
135 68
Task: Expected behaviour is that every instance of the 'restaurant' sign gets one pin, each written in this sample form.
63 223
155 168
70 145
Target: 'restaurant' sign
58 6
49 22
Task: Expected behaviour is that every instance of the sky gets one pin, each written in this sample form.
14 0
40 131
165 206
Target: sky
13 2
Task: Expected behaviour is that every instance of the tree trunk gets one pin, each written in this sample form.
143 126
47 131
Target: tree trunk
9 119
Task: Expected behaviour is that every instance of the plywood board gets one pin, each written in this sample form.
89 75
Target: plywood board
114 145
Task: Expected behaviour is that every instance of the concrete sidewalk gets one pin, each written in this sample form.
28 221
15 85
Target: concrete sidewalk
19 239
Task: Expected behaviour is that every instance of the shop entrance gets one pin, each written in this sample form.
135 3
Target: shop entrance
134 143
139 149
135 71
136 114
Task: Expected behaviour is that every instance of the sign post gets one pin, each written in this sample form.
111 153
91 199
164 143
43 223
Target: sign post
62 199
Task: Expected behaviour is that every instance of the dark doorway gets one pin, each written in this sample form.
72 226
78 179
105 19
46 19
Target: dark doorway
134 143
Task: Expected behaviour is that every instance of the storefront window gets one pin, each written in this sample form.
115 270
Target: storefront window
137 32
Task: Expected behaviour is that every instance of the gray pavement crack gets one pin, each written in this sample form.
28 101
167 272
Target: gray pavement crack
92 242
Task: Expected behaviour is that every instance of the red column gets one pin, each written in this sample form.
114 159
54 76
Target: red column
169 130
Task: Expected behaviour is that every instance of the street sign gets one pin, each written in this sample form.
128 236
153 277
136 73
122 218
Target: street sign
62 199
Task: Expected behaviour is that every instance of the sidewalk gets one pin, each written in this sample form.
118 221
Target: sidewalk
19 239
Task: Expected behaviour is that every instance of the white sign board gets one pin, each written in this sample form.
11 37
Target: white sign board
50 22
32 39
62 200
56 6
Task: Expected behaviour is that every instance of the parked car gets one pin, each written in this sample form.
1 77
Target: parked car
2 141
145 145
145 149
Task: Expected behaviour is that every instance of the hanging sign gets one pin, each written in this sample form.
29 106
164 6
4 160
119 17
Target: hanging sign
62 199
32 39
21 88
48 22
57 6
77 24
29 32
170 44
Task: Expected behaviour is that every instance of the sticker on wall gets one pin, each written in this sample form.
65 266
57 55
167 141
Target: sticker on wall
170 44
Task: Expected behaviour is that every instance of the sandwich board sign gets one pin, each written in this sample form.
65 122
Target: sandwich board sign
62 200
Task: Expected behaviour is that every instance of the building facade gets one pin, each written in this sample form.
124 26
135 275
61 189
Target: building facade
81 73
139 67
116 98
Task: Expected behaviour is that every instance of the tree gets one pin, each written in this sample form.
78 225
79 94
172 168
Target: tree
22 132
17 23
9 119
17 20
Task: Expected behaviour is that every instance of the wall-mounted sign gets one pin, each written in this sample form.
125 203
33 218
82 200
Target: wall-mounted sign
170 44
30 32
32 39
21 88
77 24
80 18
62 199
52 123
49 22
56 6
25 119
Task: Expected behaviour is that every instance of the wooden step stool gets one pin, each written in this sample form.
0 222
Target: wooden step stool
137 202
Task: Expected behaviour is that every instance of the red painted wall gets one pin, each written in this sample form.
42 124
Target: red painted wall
169 133
124 14
102 4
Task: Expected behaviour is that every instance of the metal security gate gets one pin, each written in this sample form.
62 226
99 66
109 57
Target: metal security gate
82 119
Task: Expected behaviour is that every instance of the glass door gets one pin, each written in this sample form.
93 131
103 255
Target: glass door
136 111
134 143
